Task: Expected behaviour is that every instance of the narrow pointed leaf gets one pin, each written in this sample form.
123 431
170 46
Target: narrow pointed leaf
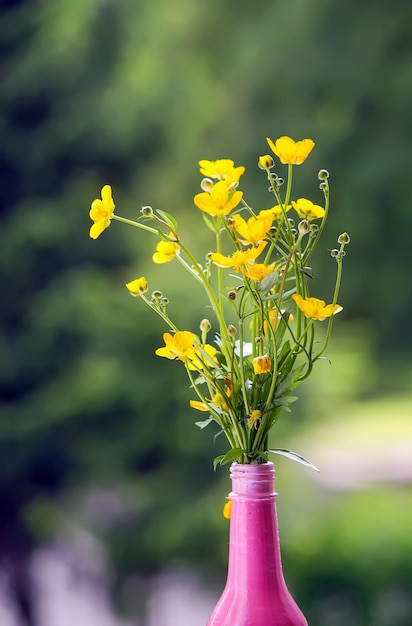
169 219
294 457
204 423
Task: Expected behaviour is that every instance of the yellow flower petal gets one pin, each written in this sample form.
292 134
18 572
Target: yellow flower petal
165 252
101 212
227 509
265 162
255 229
258 271
222 169
238 258
307 210
289 151
220 200
316 309
137 286
199 406
182 346
262 364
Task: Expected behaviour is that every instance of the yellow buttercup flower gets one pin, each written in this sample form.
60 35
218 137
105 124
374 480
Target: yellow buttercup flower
221 169
165 252
220 200
101 212
199 360
275 211
254 418
138 286
183 345
238 258
307 210
262 364
289 151
218 400
316 309
255 229
258 271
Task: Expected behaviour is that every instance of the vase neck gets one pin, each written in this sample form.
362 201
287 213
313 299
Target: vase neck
252 481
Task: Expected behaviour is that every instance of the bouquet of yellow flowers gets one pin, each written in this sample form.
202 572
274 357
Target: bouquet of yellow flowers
256 282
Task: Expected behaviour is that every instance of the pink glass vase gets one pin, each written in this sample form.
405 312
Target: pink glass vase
255 592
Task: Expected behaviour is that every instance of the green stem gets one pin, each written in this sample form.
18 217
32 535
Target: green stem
154 231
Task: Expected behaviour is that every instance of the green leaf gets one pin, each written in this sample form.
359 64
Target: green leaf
288 294
262 455
218 461
231 455
209 222
307 271
268 282
204 423
294 457
168 219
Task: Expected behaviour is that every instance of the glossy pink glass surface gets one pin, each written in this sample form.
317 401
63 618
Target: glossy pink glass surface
255 592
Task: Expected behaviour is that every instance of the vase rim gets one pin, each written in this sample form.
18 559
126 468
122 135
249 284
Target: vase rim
247 468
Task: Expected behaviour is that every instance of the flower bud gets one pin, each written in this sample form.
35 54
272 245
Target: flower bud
265 162
157 295
206 184
304 227
323 186
279 182
164 302
231 330
262 364
344 239
232 295
314 229
291 222
147 211
323 174
205 325
334 253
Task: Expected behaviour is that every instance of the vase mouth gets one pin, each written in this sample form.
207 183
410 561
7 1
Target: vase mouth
249 467
263 470
256 481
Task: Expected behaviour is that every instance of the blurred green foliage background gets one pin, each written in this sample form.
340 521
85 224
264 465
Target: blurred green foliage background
134 94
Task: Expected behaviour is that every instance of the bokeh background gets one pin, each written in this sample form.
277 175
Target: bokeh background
110 511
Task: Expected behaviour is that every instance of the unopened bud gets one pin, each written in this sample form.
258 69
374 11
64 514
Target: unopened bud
344 239
164 302
323 174
156 295
147 211
334 253
323 186
231 330
206 184
265 162
205 325
262 364
232 295
291 222
304 227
